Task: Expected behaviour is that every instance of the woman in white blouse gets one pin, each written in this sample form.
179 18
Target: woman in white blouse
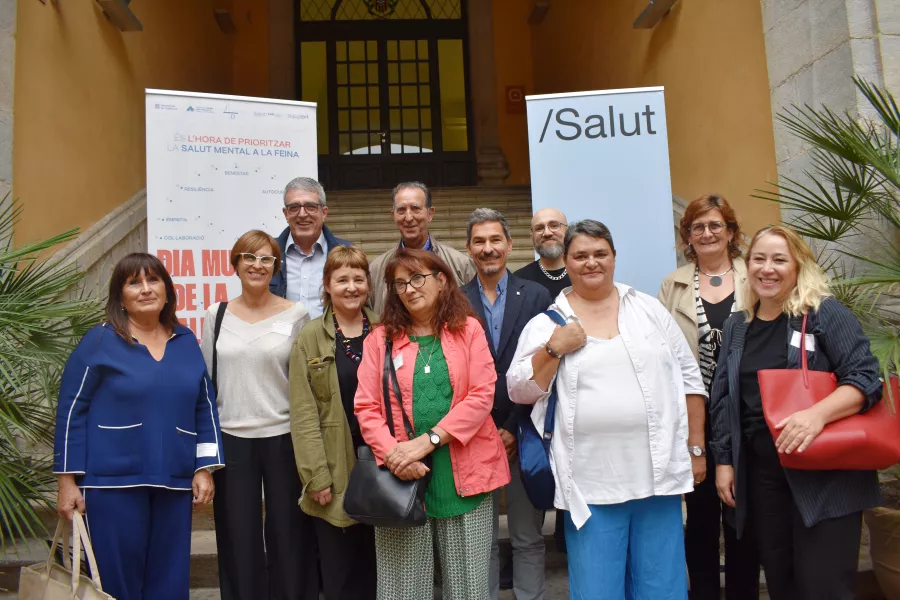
252 352
622 367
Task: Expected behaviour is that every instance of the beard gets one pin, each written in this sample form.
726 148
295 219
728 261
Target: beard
552 250
492 269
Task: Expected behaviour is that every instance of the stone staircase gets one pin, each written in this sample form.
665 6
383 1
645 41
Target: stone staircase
364 218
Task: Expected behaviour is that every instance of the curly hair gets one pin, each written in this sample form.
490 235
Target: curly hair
703 205
451 309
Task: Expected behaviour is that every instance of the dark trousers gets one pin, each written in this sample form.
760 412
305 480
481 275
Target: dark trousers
801 563
348 560
701 547
277 560
142 540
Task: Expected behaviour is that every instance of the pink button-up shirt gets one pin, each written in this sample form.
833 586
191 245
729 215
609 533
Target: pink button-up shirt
476 451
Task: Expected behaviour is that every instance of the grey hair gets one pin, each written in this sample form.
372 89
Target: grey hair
307 184
412 184
590 227
486 215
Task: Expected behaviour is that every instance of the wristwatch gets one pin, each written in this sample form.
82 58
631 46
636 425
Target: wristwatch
434 438
697 450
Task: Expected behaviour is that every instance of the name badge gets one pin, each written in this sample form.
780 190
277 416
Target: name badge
398 361
282 327
810 341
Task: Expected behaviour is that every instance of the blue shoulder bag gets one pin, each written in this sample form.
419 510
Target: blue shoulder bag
534 448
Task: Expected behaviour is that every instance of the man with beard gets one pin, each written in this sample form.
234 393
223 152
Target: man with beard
548 228
305 245
505 303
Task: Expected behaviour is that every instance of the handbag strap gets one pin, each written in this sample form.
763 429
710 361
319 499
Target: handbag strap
81 538
389 374
804 363
220 315
551 400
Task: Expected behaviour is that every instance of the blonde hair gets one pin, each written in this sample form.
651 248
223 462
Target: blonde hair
812 282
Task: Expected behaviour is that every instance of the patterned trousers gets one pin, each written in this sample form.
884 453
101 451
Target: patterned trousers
406 557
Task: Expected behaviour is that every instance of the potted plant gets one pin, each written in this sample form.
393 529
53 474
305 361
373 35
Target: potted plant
849 206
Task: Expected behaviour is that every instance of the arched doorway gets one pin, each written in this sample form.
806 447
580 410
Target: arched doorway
391 81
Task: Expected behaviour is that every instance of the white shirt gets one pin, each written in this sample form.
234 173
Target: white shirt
612 462
666 371
253 392
303 273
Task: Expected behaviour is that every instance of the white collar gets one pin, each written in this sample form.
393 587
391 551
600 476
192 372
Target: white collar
319 242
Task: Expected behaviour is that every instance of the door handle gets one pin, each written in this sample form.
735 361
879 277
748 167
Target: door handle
383 135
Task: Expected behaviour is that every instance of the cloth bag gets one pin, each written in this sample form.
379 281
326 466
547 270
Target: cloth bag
374 495
534 448
867 441
52 581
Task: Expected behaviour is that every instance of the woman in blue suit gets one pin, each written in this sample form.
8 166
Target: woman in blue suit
137 434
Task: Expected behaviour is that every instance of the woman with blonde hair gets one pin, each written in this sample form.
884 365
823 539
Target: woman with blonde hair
701 295
324 366
262 554
807 523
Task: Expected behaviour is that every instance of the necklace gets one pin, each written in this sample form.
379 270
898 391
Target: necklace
548 275
716 280
427 367
356 358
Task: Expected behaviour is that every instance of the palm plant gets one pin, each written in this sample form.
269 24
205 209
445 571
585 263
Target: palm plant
39 327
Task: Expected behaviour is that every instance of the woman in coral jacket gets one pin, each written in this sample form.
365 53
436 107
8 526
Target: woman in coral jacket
446 377
137 432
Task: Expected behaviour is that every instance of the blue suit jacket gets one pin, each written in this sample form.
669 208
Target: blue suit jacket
278 285
524 300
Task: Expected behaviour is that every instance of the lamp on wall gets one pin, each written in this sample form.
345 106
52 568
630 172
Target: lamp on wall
539 10
654 13
121 16
224 20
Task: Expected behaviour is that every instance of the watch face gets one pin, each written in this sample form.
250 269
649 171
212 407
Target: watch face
435 439
697 451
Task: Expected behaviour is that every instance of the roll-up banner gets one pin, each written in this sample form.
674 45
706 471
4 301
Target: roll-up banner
216 168
604 155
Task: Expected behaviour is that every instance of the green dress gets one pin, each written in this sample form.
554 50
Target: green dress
432 396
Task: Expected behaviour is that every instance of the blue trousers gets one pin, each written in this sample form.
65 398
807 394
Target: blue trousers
633 550
142 540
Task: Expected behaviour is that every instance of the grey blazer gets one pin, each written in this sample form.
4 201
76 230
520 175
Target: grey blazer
841 348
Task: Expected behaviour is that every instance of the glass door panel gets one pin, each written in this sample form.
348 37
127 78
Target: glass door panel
359 130
409 97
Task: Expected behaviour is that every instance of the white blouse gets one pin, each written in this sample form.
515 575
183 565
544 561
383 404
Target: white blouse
612 440
666 371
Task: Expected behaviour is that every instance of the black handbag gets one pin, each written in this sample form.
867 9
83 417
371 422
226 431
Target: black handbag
374 495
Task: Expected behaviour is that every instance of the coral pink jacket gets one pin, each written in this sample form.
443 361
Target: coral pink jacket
476 451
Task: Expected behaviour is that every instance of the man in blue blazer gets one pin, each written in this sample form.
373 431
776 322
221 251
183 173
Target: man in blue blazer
505 303
305 245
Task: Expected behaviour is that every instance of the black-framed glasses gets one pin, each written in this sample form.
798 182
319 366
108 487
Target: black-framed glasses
249 259
715 227
311 208
417 281
553 226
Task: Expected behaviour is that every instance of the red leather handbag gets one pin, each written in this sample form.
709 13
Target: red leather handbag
867 441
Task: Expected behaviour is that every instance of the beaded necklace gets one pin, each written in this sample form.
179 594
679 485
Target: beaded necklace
356 358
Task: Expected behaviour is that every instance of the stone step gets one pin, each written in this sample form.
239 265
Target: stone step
456 233
356 219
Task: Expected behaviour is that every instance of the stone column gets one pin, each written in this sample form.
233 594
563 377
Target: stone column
814 47
7 85
282 50
492 166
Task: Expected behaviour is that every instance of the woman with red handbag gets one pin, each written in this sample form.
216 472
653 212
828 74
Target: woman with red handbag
807 522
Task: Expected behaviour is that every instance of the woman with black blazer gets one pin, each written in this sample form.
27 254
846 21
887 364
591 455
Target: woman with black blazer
807 523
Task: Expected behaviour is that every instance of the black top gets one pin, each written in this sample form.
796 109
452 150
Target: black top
715 316
765 348
532 272
348 382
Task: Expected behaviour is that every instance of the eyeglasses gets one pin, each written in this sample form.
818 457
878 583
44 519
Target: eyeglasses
417 281
250 259
715 227
311 208
553 226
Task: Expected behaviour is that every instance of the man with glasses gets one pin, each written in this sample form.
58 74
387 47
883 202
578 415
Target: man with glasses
412 212
305 244
505 304
548 228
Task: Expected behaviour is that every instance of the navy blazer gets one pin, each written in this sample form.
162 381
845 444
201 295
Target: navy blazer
524 300
842 348
278 285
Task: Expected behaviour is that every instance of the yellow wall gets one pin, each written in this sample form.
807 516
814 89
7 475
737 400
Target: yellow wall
709 55
79 101
514 61
251 48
